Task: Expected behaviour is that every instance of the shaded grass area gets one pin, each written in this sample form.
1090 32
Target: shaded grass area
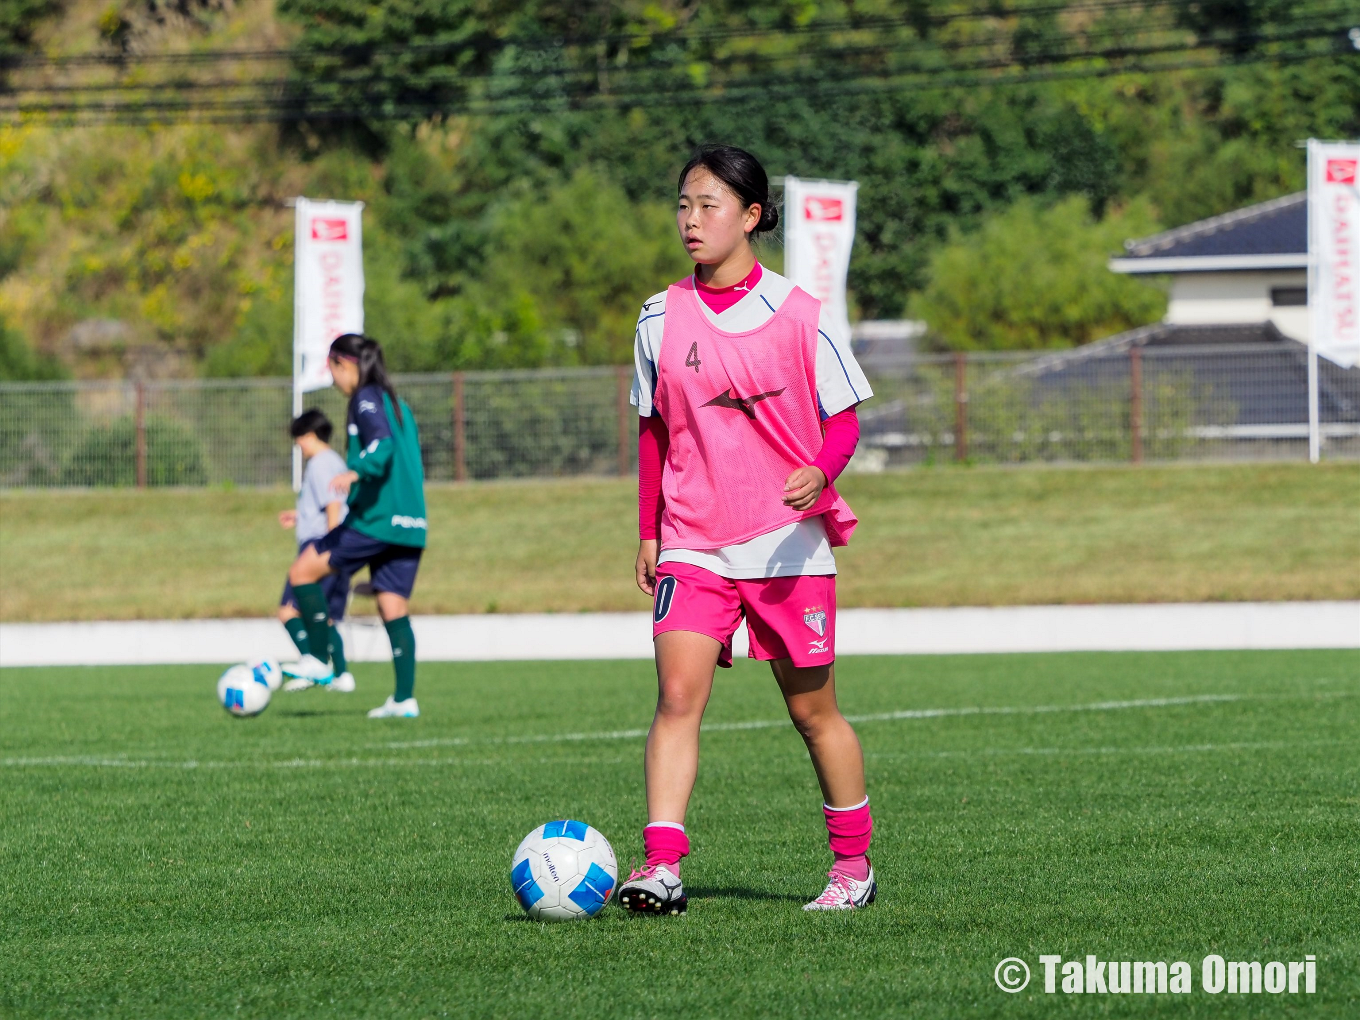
165 860
983 536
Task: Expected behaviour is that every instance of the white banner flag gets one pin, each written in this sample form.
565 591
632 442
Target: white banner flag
819 230
328 294
1334 250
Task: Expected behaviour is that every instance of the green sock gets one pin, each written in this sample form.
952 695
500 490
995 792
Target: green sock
403 656
312 604
337 652
297 630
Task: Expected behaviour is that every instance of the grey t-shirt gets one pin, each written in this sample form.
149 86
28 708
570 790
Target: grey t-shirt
316 493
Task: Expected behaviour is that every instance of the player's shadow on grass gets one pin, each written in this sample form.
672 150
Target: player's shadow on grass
740 892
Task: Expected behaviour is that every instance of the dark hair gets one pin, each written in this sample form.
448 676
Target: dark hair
743 175
311 420
372 368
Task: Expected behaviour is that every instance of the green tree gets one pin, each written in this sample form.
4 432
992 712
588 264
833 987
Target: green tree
20 362
583 258
1036 277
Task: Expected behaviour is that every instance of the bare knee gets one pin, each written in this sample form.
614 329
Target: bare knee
813 721
287 613
677 698
309 568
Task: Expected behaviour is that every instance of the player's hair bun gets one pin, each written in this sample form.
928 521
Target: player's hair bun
743 175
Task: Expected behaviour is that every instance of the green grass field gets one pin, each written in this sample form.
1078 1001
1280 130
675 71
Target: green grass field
929 537
162 859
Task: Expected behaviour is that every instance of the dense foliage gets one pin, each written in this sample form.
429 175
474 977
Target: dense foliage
518 162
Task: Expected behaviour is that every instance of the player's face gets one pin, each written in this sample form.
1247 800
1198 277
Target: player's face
712 221
345 374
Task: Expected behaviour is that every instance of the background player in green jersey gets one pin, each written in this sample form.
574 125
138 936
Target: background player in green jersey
385 528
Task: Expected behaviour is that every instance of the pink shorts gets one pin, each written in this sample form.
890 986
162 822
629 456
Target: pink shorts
786 617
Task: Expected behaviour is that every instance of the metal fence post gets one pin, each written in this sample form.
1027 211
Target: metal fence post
623 384
459 436
960 406
1136 403
139 418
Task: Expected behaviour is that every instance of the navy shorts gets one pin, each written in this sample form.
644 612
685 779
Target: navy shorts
391 567
335 587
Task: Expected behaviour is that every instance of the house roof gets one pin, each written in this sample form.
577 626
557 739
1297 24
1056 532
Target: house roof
1268 235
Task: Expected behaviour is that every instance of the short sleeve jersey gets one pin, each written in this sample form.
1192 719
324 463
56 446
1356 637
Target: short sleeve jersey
840 380
796 549
316 495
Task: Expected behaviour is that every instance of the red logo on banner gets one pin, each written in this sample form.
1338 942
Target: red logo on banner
329 230
824 209
1341 171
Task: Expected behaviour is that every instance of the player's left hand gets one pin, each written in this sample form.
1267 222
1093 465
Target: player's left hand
342 483
802 488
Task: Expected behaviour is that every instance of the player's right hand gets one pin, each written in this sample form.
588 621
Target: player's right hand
648 550
288 518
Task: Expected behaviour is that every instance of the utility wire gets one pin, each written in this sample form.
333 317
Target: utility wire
299 109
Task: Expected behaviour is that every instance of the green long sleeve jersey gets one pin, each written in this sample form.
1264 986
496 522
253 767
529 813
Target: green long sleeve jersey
388 501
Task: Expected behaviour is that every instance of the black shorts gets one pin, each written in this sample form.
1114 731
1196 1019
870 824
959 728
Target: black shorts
334 586
391 567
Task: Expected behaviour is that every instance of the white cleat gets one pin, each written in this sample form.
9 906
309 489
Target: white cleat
844 893
393 709
653 891
308 668
344 683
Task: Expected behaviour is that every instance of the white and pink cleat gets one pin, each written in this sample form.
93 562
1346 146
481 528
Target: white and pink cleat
845 893
653 890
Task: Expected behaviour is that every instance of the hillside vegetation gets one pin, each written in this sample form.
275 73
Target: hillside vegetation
518 161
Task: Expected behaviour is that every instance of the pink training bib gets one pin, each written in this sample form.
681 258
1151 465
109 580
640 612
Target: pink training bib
741 410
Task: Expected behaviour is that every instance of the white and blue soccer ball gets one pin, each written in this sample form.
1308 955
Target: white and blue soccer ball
268 671
563 871
243 691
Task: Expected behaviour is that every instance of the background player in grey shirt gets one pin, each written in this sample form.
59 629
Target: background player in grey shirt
319 510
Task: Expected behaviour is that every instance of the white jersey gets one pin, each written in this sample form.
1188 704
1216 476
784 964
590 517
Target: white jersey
798 548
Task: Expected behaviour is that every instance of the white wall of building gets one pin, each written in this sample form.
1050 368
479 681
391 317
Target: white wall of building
1222 298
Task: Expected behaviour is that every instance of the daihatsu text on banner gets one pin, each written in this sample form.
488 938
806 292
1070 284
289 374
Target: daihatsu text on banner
1334 249
328 296
819 230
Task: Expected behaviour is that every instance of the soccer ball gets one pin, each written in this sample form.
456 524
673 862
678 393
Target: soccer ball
243 691
268 671
563 871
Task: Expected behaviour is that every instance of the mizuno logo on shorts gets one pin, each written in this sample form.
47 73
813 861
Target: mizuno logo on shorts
367 407
665 597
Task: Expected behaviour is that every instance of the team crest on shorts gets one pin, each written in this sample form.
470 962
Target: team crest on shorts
816 619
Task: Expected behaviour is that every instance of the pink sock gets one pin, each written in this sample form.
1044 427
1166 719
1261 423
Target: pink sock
849 831
665 843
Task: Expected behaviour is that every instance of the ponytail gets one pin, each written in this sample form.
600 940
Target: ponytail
368 354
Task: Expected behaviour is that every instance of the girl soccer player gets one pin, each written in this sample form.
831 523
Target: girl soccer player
319 510
385 527
747 395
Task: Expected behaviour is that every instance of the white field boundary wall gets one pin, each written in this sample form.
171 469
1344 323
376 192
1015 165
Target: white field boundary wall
1114 628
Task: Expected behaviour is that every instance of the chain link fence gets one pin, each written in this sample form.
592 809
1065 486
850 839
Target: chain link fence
1148 403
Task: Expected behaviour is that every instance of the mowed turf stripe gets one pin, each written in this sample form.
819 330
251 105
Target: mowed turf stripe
908 713
310 763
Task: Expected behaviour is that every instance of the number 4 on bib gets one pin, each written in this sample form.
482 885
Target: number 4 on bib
692 359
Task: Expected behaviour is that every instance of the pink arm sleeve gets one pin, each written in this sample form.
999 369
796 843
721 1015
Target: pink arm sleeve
653 441
839 439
